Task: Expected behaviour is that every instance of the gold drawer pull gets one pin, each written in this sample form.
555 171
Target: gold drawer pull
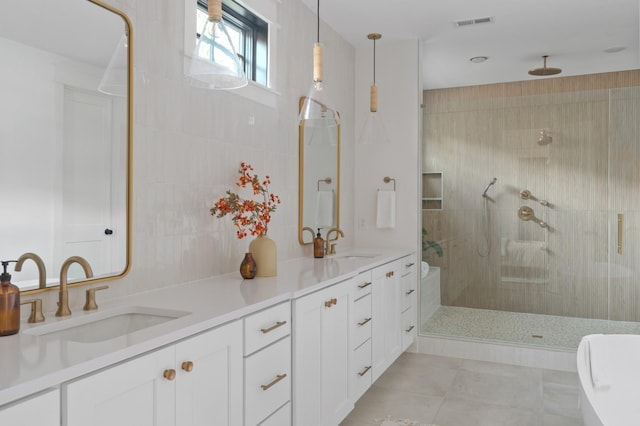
366 320
187 366
169 374
330 303
363 372
389 274
276 380
273 327
364 285
410 328
409 265
410 291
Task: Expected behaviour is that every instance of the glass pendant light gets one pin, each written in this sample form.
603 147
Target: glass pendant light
114 79
316 110
373 131
215 63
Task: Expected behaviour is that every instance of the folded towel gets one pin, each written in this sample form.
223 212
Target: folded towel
386 211
597 352
524 252
324 209
425 269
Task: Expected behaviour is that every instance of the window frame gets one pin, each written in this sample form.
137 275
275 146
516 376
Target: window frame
254 51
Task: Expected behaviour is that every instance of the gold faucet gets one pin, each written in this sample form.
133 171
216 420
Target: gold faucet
63 297
328 244
42 273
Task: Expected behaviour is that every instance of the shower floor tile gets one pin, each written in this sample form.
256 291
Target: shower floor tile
515 327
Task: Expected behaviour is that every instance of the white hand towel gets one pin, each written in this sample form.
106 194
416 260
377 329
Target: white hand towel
324 209
386 212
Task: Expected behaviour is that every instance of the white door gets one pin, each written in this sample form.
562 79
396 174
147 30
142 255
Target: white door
85 212
321 357
210 377
41 410
386 318
134 393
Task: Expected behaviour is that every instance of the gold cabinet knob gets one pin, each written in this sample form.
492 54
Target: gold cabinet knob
329 303
187 366
169 374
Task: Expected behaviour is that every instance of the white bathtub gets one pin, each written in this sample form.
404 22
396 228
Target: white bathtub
609 372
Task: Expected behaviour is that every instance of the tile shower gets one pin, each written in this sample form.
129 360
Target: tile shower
574 144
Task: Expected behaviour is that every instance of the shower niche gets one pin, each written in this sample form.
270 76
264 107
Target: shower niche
432 189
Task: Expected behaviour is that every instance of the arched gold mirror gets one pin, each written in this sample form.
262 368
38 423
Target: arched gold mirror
319 183
65 115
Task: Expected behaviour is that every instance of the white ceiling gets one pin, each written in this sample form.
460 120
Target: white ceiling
574 33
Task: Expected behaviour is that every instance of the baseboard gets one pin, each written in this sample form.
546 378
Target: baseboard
504 353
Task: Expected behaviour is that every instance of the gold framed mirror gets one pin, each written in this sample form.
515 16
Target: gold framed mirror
319 180
67 139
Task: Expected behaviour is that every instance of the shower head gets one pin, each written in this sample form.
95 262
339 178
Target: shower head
545 138
486 188
544 71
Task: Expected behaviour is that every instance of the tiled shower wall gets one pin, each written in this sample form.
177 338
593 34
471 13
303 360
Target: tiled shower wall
588 174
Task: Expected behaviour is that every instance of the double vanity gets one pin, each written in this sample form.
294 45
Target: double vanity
296 349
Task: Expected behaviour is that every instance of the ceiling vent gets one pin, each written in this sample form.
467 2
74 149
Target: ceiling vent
474 21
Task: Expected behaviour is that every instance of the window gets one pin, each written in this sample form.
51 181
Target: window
248 33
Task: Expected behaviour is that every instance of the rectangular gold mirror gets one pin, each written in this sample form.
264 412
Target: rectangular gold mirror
319 183
65 115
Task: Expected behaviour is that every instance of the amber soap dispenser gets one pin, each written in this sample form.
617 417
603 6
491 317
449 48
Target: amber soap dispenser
318 246
9 304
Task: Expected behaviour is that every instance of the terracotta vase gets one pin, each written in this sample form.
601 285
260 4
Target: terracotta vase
248 267
265 254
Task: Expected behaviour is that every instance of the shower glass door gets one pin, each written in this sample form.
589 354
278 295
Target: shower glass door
549 252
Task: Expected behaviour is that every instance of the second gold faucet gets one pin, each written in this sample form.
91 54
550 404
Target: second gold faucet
63 297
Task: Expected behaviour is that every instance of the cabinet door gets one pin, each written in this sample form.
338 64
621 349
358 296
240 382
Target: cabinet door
386 343
209 378
321 357
41 410
134 393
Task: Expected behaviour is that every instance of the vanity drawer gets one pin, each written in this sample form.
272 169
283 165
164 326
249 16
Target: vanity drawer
409 292
265 327
362 285
361 321
408 264
282 417
409 327
267 381
361 370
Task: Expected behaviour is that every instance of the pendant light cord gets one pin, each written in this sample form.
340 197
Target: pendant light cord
318 26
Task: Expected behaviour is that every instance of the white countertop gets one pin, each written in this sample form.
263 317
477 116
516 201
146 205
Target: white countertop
29 364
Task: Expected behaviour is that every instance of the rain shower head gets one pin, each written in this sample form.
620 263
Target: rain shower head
544 71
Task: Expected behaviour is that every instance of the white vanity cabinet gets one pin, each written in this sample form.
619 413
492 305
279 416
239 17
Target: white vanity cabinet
409 301
267 367
321 355
42 410
386 338
197 381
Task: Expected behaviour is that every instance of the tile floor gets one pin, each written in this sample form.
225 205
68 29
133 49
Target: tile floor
433 390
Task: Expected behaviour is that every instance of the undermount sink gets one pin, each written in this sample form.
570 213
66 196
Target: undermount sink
100 326
355 256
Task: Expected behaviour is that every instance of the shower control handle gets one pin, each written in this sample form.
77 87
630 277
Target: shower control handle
525 194
526 213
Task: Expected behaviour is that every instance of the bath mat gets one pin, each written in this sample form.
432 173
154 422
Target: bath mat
401 422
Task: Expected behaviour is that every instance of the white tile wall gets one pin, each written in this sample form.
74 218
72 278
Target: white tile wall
188 144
